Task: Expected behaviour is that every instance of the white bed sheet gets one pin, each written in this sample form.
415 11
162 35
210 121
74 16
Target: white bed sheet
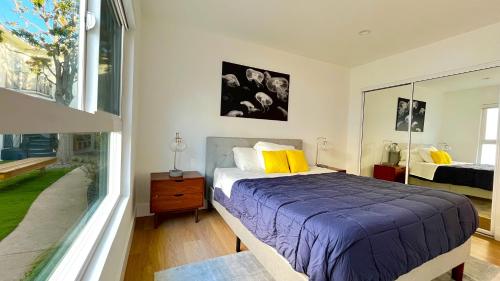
224 178
426 170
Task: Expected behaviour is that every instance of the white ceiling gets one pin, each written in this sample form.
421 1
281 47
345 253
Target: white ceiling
465 81
328 29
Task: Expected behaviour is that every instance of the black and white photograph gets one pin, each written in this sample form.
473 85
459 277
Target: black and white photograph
403 115
250 92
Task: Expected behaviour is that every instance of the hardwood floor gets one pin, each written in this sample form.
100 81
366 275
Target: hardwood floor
178 240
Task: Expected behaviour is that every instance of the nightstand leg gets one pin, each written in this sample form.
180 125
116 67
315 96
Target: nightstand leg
196 216
155 221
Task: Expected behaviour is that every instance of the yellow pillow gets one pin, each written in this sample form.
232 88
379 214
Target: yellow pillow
447 157
275 161
297 161
441 157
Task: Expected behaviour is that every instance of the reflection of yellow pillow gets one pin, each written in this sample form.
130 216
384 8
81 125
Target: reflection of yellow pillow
297 161
441 157
447 157
275 161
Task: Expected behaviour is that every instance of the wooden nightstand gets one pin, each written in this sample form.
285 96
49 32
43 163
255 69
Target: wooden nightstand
178 194
332 168
389 173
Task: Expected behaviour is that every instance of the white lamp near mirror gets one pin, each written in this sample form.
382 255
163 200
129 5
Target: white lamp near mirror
321 143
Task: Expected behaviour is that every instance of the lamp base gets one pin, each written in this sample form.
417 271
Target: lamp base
175 173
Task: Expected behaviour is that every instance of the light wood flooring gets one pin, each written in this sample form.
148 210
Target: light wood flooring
179 240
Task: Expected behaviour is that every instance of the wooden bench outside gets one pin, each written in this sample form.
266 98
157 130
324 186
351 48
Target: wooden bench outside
14 168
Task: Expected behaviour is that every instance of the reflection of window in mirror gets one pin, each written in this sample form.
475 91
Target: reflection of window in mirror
456 150
488 143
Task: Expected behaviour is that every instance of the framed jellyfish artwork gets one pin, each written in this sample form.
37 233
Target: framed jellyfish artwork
250 92
403 115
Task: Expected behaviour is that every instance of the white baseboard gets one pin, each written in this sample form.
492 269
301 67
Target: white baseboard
142 210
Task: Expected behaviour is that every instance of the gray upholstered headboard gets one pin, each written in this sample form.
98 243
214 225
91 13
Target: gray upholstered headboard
219 153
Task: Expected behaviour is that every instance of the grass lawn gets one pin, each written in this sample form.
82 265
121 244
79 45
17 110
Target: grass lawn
18 193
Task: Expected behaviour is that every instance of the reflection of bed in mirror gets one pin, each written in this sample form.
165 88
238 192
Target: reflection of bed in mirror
459 177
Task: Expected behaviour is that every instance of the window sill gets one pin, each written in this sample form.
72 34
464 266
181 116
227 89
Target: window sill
80 252
103 253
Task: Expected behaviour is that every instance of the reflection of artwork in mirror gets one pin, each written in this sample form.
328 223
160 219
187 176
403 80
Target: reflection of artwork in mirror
403 115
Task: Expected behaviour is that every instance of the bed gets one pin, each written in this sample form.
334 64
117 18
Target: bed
346 242
459 177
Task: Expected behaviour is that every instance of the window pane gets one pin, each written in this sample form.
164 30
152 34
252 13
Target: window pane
41 212
488 154
109 60
491 124
39 48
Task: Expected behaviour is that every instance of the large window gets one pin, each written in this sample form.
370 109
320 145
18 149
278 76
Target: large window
109 60
40 49
42 210
488 143
42 52
59 167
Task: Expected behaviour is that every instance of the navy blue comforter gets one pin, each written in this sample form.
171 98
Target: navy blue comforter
474 175
337 226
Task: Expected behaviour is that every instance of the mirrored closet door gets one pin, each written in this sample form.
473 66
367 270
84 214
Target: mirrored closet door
385 132
439 133
454 136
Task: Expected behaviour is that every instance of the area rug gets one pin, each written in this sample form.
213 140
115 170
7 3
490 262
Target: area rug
245 267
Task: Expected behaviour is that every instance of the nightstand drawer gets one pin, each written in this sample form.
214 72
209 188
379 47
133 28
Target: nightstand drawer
178 201
177 186
176 194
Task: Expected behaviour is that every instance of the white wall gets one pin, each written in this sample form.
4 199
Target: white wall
462 120
460 52
181 88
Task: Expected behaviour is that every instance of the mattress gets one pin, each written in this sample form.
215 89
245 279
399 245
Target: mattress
424 170
336 226
224 178
457 173
473 175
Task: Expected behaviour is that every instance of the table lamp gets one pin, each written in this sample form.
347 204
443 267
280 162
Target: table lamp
321 143
177 145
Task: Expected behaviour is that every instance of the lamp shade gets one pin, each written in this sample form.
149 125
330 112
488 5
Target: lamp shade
177 144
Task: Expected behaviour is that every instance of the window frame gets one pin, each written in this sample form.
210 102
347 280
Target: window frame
82 55
482 131
80 252
40 116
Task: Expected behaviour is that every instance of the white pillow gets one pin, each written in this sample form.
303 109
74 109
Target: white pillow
425 153
268 146
246 158
414 155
